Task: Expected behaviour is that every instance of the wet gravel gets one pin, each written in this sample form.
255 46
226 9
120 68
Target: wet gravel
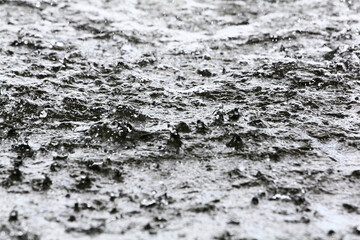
180 119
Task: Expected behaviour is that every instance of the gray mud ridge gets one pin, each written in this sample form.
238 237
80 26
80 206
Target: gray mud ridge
181 119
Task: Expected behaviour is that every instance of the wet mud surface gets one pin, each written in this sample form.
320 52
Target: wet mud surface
179 119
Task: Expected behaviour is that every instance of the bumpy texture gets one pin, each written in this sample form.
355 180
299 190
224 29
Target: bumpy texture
180 119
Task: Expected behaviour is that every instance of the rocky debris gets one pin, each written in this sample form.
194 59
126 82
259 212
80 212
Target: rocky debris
224 236
201 127
92 230
41 184
128 113
150 228
174 140
15 174
160 201
84 182
233 114
219 118
24 150
235 142
289 194
55 167
204 72
110 131
236 174
94 205
203 208
182 127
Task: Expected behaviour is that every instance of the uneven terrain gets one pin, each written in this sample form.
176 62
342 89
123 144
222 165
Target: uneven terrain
182 119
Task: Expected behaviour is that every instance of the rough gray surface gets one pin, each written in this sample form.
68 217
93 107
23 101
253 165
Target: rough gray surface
180 119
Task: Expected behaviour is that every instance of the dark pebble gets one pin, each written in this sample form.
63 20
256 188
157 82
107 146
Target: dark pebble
85 182
148 227
350 208
76 207
159 219
118 175
201 127
255 201
234 222
113 211
41 184
112 197
235 142
13 216
24 150
355 174
219 118
174 140
15 175
183 127
54 167
357 230
204 72
234 114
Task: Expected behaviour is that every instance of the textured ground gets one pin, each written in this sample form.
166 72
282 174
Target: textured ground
180 119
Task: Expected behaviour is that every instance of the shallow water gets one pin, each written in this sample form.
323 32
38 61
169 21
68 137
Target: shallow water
179 119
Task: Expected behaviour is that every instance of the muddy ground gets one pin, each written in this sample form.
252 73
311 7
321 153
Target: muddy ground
180 119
